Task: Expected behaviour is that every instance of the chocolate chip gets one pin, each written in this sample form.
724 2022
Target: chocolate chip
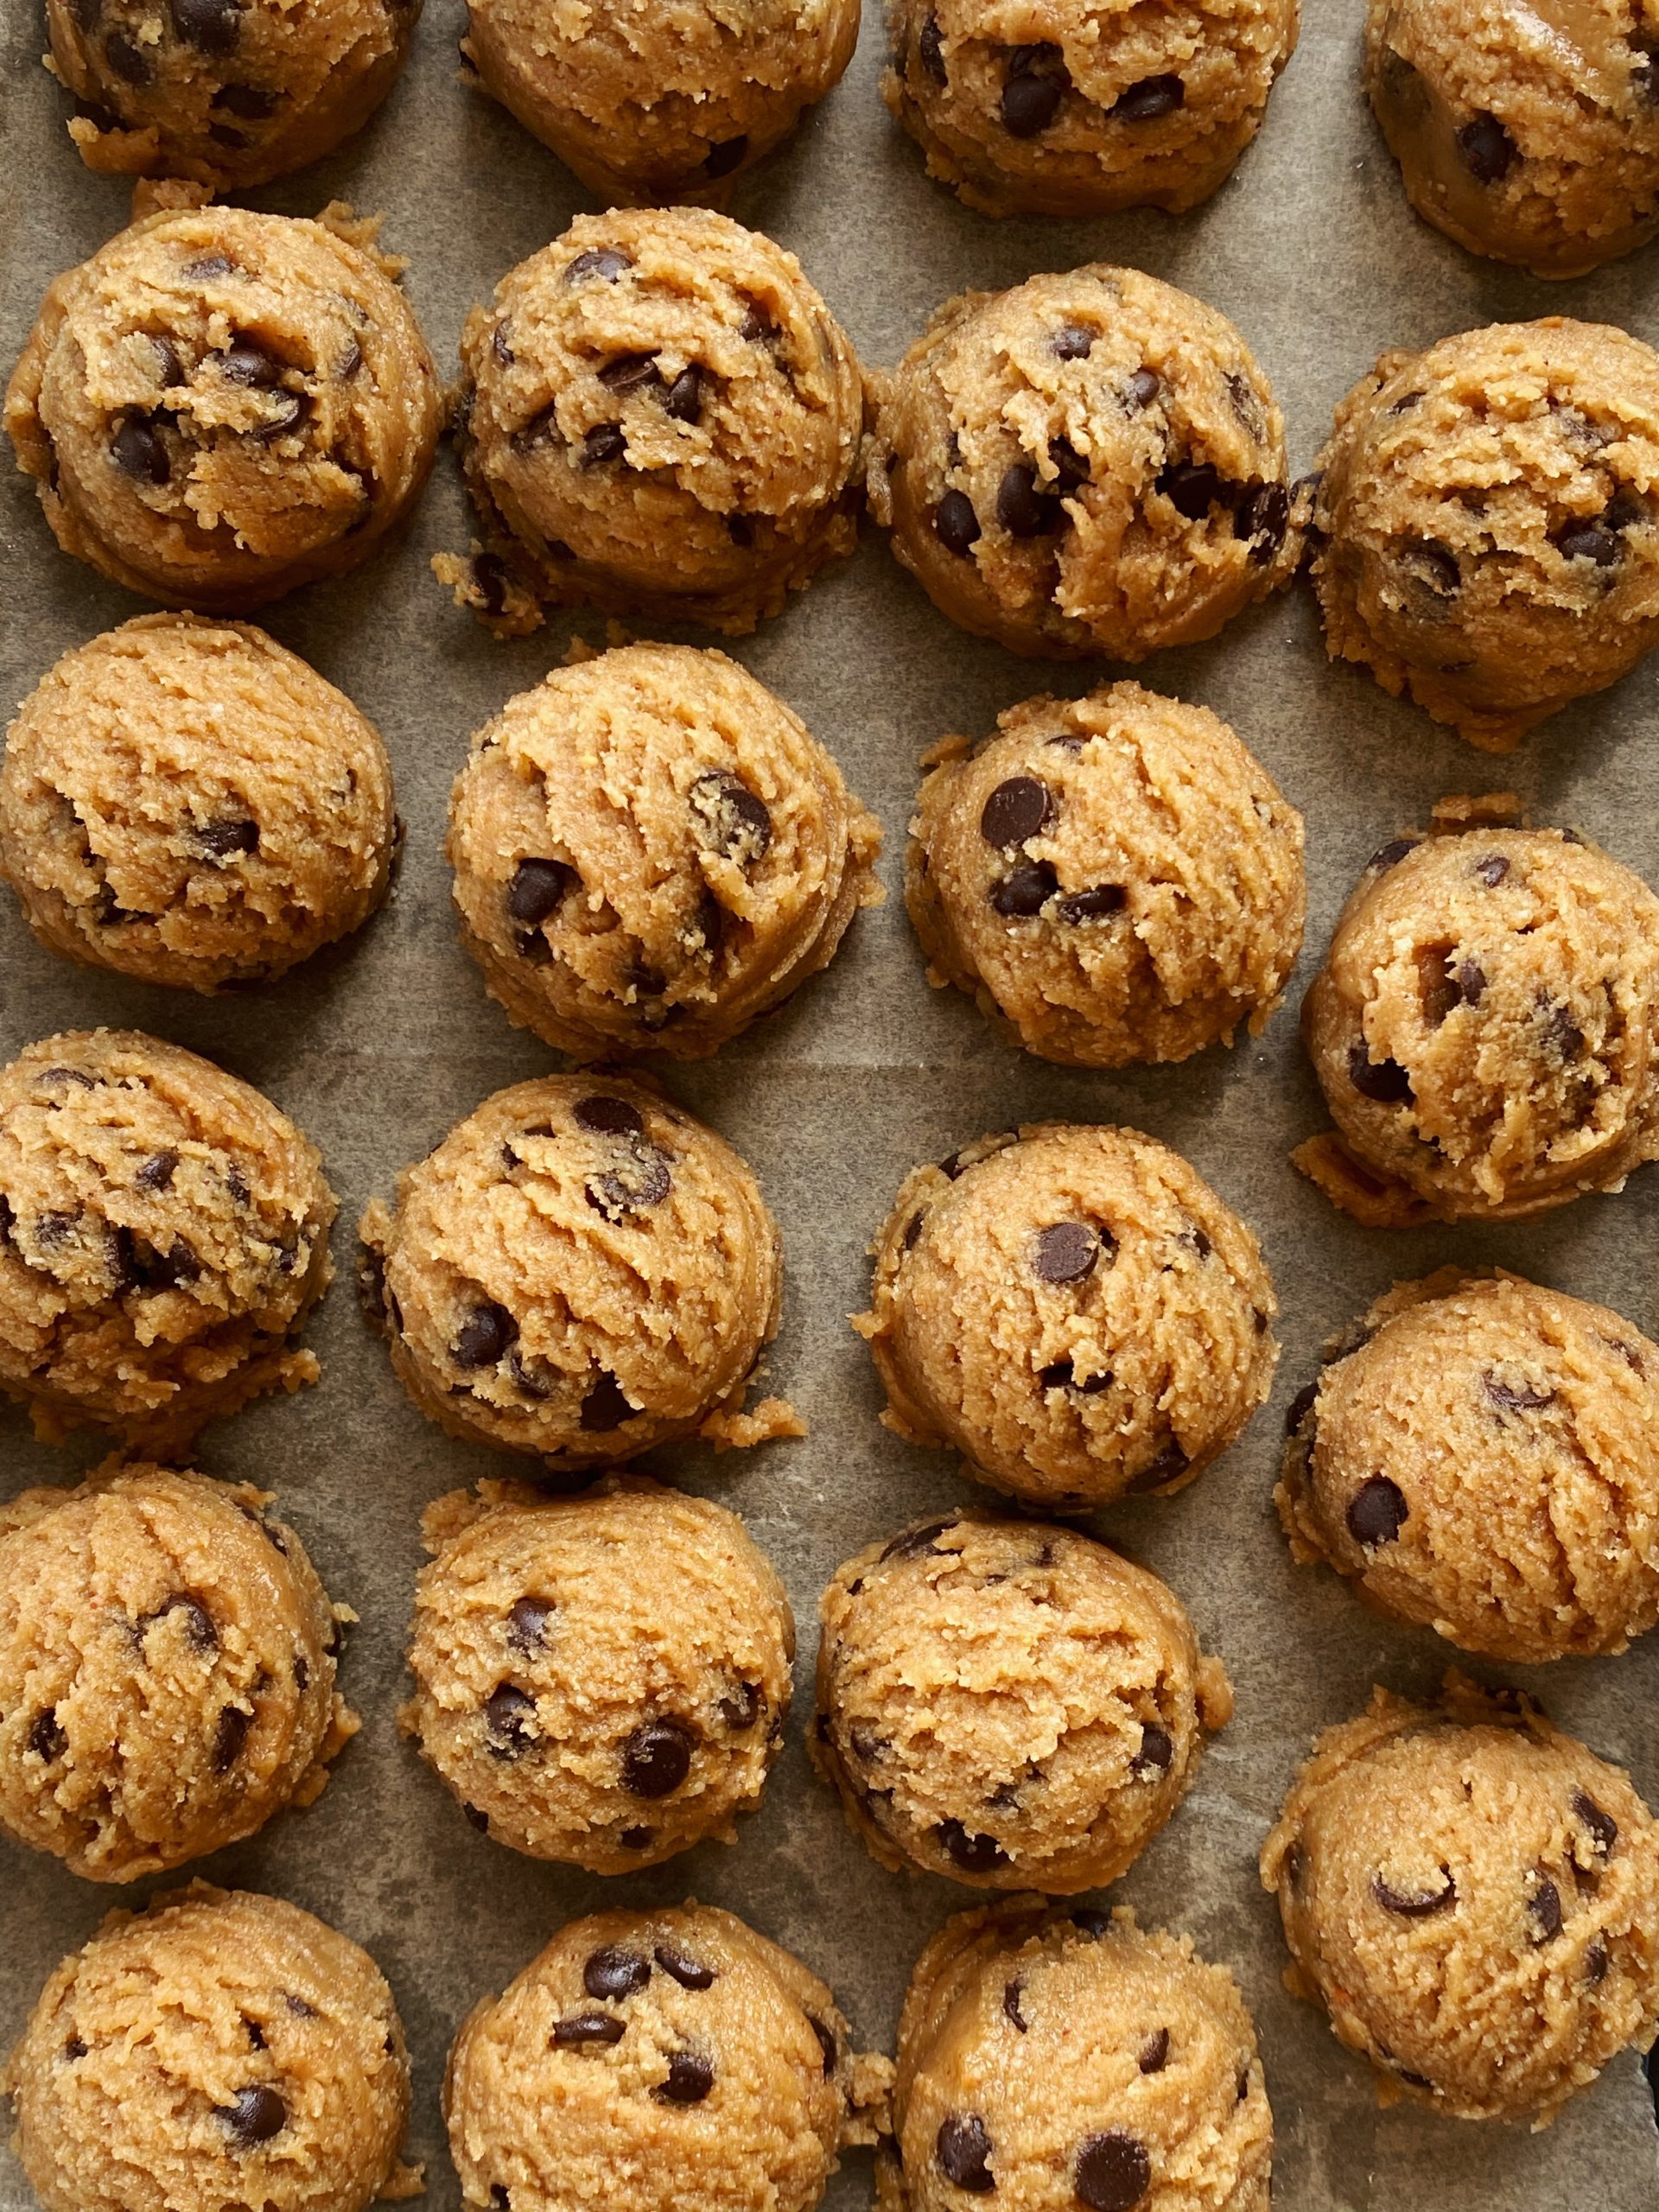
75 2049
490 581
1435 566
290 406
156 1173
690 2077
1300 1407
1072 341
605 1116
607 261
168 367
302 1672
615 1972
1411 1904
251 102
1385 1082
930 50
604 443
1149 99
506 1711
1562 1035
657 1759
1092 905
1089 1920
690 1973
483 1335
1392 854
578 2029
1067 1252
633 1186
683 399
128 60
1112 2171
46 1739
199 1629
955 524
229 1736
537 888
253 2115
1488 152
1154 2053
248 364
629 372
138 451
1012 1992
963 2148
1019 808
1377 1512
207 266
916 1543
1142 388
1025 890
1492 870
1193 487
1036 83
1022 510
1069 467
605 1405
527 1620
1603 1828
974 1854
1515 1397
1596 1962
1544 1911
826 2043
733 820
1157 1751
52 1229
741 1708
1581 540
1263 518
221 841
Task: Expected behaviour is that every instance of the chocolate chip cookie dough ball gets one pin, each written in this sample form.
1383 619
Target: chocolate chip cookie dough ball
220 405
658 2060
657 105
1009 1704
1074 1310
1482 1455
1116 878
229 92
578 1271
218 2049
1471 1896
1487 523
163 1237
167 1670
1117 107
1485 1028
601 1680
1060 2059
183 801
1527 132
659 416
650 850
1090 465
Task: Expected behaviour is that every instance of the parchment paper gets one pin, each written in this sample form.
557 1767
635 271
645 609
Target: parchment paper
377 1049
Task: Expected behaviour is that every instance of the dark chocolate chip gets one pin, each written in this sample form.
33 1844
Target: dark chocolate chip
169 366
827 2043
483 1335
1596 1962
1012 1992
1172 1460
1152 97
1583 540
138 451
248 364
1067 1252
964 2149
1515 1397
1025 890
633 1186
690 1973
974 1854
1036 84
604 443
734 822
955 524
1603 1828
690 2073
1154 2053
527 1620
602 1115
741 1708
222 840
253 2115
1488 152
1377 1512
578 2029
1092 905
1072 341
683 399
1300 1407
229 1736
629 372
1411 1905
75 2048
1435 566
1157 1750
916 1543
1562 1035
1142 388
1193 487
207 266
251 102
537 888
199 1629
46 1739
657 1759
1544 1911
129 62
1263 518
289 407
1492 870
1069 467
1112 2172
156 1173
507 1712
1385 1082
1019 808
605 1405
930 49
1392 854
615 1972
1021 508
607 261
501 344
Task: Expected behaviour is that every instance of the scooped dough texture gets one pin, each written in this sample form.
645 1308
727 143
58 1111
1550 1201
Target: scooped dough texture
661 104
660 416
220 2052
1486 533
1010 1704
650 850
1115 876
1116 106
167 1670
183 801
1527 130
658 2060
1484 1457
1075 1310
1089 465
164 1234
230 92
1469 1894
220 405
601 1680
578 1271
1073 2058
1484 1029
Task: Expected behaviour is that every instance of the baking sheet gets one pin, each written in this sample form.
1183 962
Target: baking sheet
376 1049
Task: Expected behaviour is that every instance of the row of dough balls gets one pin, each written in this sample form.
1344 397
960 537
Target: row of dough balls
658 415
1529 134
580 1272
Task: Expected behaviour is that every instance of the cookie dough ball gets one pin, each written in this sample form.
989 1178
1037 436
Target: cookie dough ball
1117 107
167 1670
183 801
1115 877
1487 523
660 416
578 1271
1528 132
650 850
1486 1028
1471 1896
1067 2059
601 1680
220 405
659 2059
1482 1456
1074 1310
653 106
163 1237
1089 465
218 2049
229 92
1011 1704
